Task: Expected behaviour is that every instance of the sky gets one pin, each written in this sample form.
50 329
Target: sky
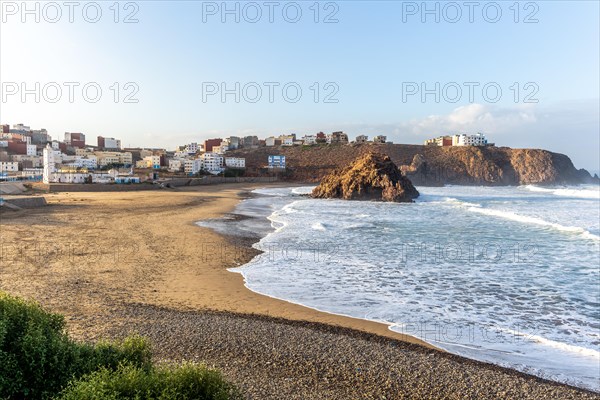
162 74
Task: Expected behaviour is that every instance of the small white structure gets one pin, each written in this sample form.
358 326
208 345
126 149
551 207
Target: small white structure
309 140
287 140
220 149
270 141
31 150
8 166
380 139
176 164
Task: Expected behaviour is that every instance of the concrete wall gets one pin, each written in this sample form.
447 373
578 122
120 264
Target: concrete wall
211 180
95 187
177 182
27 202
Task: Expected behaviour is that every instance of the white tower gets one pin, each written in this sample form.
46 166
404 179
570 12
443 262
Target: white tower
49 165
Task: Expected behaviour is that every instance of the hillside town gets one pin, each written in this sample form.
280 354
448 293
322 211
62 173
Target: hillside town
30 154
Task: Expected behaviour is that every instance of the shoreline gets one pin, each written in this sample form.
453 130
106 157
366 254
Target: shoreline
289 310
235 216
116 264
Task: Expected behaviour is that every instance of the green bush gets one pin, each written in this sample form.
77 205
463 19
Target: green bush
166 382
38 359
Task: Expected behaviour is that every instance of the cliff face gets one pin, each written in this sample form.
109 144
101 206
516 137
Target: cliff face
371 177
429 165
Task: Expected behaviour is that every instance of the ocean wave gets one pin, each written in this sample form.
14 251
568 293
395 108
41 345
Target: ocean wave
304 190
534 221
460 203
362 276
319 226
570 348
581 193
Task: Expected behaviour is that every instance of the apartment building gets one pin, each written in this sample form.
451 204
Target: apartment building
441 141
212 162
337 137
477 139
235 162
75 139
192 166
105 143
362 139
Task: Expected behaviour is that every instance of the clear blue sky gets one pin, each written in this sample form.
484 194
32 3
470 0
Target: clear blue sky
369 54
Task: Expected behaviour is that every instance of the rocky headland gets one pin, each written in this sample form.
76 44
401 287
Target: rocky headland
427 165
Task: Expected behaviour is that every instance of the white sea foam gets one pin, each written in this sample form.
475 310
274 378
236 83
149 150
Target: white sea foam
583 192
584 351
319 226
535 221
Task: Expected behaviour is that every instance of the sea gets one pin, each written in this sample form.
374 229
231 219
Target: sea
504 275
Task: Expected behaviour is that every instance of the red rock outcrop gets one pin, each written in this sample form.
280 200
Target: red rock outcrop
371 177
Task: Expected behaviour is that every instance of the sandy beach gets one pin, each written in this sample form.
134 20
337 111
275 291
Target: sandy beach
116 263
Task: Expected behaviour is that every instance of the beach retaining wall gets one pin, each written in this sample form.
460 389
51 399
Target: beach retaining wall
212 180
176 182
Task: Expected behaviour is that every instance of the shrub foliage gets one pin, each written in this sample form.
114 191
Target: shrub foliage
166 382
38 360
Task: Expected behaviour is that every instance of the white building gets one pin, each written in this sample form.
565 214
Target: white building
212 162
191 148
36 161
235 162
89 162
477 139
176 164
220 149
380 139
9 166
309 140
287 140
192 166
149 162
276 162
112 143
270 141
31 150
21 128
107 159
181 154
